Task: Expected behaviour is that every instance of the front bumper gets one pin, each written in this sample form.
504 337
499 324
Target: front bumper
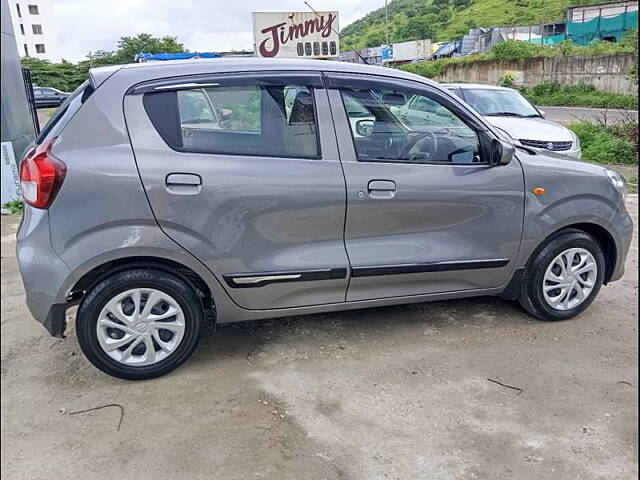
623 224
43 272
571 154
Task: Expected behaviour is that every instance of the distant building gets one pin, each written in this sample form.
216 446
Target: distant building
34 28
606 21
585 13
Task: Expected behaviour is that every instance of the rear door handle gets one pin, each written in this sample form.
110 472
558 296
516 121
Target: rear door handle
183 183
382 189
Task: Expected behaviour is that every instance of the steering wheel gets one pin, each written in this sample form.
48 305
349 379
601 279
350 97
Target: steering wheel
414 148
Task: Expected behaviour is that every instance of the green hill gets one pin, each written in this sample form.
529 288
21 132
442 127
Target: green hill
443 20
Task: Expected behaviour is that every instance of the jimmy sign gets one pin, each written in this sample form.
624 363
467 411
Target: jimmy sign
296 34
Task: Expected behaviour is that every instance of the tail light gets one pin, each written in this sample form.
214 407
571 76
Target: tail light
41 175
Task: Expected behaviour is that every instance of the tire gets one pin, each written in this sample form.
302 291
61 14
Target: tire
532 294
171 346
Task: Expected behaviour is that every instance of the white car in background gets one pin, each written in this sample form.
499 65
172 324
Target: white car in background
512 113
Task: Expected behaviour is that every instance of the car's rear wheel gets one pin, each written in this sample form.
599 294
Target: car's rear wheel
563 277
139 324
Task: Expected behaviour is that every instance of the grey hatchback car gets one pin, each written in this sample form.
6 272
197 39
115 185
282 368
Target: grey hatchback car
162 197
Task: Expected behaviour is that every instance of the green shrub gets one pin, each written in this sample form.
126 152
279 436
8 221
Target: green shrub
507 81
601 144
427 69
582 95
14 206
516 50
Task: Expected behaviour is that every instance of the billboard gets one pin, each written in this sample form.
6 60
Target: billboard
296 34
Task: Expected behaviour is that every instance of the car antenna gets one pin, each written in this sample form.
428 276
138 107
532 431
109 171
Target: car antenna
337 33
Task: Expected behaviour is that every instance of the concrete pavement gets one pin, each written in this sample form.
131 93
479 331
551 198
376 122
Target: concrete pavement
567 115
386 393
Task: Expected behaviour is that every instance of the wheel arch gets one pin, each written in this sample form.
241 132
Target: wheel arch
108 268
602 236
606 241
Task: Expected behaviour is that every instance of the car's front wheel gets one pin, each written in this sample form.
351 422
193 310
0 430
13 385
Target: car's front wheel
563 277
139 324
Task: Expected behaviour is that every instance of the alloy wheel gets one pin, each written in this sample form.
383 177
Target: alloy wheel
140 327
569 279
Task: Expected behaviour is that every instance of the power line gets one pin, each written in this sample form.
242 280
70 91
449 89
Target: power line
336 32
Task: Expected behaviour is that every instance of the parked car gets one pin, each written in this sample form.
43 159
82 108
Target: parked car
156 228
510 111
49 96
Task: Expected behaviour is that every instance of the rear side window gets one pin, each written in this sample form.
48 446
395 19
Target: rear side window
65 111
253 120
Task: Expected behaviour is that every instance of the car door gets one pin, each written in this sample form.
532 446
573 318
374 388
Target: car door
256 190
426 213
50 97
38 96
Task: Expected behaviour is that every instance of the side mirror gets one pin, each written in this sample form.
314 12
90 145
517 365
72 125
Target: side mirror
364 128
225 114
542 113
501 152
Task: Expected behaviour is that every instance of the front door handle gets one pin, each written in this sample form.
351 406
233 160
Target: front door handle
382 189
183 183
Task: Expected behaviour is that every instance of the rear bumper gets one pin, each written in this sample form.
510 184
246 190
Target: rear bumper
43 272
55 321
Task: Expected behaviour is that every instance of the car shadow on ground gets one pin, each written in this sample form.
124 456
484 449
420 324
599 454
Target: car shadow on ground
246 339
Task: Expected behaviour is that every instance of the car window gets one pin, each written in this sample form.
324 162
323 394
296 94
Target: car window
254 120
65 111
196 109
407 127
37 91
491 102
354 108
239 107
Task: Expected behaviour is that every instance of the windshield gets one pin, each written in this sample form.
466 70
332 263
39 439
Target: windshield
500 103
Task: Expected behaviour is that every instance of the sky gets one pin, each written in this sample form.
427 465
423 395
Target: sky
201 25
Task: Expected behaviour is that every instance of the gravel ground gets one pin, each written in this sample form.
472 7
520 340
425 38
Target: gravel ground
387 393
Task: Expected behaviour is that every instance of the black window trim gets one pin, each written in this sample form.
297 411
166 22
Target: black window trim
342 81
309 79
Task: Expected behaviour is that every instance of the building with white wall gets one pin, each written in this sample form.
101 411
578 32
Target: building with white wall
34 28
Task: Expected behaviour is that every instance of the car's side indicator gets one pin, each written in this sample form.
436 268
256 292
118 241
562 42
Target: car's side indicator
538 191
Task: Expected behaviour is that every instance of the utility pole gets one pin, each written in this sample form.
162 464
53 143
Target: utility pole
386 21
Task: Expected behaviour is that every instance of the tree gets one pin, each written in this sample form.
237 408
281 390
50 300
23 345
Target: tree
64 76
419 27
67 76
144 42
459 4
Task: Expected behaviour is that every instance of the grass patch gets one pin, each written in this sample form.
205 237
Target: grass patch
632 184
14 206
551 93
606 144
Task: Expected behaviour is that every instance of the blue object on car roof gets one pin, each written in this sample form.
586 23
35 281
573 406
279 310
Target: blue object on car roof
145 57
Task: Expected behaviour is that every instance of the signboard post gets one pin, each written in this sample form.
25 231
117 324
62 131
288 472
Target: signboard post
296 34
10 180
